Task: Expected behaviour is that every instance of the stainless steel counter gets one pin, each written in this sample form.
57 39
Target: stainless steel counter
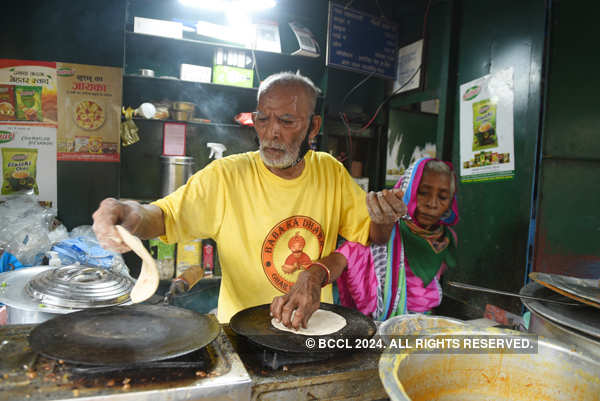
23 376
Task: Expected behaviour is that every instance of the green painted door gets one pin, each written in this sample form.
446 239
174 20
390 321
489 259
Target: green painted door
495 216
567 238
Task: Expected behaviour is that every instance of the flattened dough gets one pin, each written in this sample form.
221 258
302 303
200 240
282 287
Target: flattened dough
321 323
147 282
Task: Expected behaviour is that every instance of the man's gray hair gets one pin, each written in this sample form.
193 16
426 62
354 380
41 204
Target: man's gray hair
288 78
440 167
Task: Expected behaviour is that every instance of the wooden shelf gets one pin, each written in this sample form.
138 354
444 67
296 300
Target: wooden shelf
211 124
176 81
217 44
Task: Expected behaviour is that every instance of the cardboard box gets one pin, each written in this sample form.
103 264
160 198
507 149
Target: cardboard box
168 29
234 76
195 73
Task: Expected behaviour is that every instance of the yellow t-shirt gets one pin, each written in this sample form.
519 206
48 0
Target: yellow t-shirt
258 218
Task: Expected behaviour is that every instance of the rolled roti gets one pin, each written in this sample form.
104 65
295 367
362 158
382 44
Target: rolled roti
147 282
321 323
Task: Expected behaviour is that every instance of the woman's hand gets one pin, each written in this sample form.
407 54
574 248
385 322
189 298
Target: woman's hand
386 207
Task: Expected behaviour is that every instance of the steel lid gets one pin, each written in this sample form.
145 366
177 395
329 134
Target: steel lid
79 287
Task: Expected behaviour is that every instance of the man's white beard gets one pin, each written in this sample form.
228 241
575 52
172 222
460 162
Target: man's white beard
285 161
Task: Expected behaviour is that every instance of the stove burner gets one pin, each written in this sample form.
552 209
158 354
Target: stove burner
274 360
268 358
197 360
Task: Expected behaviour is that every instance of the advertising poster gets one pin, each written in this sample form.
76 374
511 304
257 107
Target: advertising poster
28 91
486 128
28 121
28 160
89 112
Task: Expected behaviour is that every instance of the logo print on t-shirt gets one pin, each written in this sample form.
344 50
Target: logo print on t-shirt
290 247
297 260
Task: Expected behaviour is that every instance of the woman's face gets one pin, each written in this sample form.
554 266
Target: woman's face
433 198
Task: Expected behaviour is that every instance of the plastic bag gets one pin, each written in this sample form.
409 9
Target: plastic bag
83 247
9 263
26 228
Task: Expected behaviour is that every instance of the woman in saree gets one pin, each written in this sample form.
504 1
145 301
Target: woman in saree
403 276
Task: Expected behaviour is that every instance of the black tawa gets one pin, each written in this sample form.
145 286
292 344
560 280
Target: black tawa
255 325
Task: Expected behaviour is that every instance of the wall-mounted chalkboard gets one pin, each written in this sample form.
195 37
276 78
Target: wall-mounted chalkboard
360 42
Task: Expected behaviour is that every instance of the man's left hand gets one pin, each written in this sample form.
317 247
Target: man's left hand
295 308
386 207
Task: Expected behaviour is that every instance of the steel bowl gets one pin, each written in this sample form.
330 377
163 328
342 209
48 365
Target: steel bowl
181 115
553 372
184 106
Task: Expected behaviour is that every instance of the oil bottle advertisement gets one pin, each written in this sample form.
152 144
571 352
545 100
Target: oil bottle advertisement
486 128
88 112
28 124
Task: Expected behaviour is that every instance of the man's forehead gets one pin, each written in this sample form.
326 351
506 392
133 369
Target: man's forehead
284 95
280 115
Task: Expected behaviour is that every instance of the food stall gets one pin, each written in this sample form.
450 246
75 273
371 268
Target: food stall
133 114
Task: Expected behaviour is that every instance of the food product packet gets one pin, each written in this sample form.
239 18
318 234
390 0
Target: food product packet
7 102
19 171
29 103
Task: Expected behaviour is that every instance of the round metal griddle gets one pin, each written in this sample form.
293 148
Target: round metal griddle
255 324
122 335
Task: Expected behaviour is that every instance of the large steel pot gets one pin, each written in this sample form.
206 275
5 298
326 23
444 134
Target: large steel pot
409 324
555 372
39 293
174 172
579 327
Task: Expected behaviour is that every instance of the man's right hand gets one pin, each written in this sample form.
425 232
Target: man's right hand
112 212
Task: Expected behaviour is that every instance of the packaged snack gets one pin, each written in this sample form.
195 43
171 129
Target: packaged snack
19 170
82 144
188 255
29 103
7 102
95 144
484 125
165 258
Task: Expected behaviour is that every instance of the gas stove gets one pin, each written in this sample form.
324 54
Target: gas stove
298 376
212 373
227 369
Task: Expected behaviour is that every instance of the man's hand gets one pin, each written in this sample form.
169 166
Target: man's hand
386 207
142 221
302 300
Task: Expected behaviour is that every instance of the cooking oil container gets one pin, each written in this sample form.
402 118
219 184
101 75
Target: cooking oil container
174 172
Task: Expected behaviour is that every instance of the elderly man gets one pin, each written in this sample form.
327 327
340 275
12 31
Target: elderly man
275 213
